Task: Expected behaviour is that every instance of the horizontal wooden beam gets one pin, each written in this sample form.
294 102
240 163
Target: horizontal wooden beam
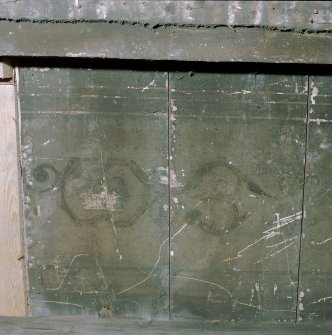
85 326
181 43
298 15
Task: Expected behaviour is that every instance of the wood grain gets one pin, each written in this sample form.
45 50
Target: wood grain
12 297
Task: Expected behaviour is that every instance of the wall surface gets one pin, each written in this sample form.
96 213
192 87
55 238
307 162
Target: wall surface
207 31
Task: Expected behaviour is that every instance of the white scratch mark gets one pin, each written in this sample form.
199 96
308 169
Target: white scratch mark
157 262
281 222
275 253
179 231
319 121
229 294
270 233
244 92
79 54
151 272
278 82
323 242
282 242
321 300
62 303
91 292
64 277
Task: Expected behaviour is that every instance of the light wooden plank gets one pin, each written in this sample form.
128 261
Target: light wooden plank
12 296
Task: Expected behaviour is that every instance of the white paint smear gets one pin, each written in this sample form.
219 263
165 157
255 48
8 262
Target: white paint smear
163 178
275 288
174 108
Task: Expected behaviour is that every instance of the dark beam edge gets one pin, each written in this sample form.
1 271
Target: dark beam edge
122 41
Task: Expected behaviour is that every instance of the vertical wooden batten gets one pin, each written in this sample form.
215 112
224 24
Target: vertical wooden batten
12 292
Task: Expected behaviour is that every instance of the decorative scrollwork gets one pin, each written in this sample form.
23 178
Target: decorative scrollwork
45 177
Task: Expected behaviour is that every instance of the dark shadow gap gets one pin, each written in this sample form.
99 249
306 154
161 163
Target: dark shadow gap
181 66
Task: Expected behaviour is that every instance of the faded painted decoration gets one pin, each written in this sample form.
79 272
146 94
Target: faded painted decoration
239 141
172 194
93 144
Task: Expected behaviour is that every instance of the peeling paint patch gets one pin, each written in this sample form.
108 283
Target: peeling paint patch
152 83
163 178
163 175
103 200
275 288
314 93
173 107
173 179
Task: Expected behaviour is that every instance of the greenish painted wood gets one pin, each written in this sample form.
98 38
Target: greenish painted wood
95 165
237 146
316 260
313 15
94 160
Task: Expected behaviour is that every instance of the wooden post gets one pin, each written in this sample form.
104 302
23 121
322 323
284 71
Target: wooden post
12 292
